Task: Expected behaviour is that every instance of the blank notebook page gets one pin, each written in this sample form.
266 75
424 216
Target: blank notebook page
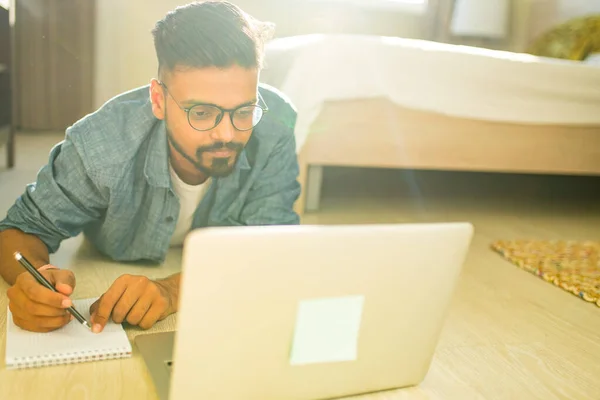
73 343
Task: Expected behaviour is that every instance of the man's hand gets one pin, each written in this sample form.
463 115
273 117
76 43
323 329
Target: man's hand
38 309
137 300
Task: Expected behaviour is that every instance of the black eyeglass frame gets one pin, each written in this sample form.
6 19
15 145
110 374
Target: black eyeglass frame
219 118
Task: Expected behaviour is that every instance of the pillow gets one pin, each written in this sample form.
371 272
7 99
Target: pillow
575 39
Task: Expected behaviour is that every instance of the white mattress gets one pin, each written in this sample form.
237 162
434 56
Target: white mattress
453 80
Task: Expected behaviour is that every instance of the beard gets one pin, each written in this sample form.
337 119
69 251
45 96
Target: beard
218 166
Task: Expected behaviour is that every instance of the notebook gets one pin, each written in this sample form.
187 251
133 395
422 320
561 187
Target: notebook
73 343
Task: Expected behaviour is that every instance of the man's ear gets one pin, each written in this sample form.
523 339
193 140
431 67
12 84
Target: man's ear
157 97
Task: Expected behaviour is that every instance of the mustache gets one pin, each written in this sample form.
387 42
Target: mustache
236 146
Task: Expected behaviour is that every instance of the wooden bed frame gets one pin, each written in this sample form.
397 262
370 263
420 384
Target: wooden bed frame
377 133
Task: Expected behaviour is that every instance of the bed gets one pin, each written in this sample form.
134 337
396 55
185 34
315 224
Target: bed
378 102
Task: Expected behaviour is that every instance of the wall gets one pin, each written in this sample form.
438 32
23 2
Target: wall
545 14
125 56
574 8
5 92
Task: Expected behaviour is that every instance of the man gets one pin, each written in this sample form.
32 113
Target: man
185 152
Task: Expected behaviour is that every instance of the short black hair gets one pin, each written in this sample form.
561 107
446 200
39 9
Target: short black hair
210 33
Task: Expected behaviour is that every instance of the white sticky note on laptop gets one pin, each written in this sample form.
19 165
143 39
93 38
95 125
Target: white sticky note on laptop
327 330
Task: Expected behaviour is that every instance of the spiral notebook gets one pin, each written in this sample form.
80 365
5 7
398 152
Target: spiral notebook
73 343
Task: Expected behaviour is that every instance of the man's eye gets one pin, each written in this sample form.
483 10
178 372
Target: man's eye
246 112
203 114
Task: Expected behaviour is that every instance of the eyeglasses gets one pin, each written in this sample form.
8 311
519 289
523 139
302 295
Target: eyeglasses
204 117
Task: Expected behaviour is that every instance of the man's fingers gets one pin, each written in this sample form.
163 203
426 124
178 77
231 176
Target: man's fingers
107 303
63 280
136 299
24 306
94 306
41 324
52 322
126 302
29 326
35 307
40 294
140 308
156 310
64 289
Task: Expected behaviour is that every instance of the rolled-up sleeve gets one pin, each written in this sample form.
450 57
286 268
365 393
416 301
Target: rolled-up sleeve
61 202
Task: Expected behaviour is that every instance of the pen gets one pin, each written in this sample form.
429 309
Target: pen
40 278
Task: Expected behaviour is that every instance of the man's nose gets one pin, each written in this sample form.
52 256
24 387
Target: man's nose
224 131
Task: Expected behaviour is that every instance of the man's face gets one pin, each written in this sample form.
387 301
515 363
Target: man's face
214 152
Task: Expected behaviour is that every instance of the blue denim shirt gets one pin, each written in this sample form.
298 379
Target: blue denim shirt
109 178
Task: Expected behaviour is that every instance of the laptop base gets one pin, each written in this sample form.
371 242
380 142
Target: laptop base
157 351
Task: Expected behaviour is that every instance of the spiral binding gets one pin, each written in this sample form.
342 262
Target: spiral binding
48 360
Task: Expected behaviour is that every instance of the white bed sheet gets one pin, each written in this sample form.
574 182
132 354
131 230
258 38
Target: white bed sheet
452 80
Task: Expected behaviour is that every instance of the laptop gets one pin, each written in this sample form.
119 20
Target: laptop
307 312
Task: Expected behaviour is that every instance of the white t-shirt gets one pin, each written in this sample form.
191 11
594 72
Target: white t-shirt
189 198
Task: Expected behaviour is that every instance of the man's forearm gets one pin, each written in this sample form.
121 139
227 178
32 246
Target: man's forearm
12 240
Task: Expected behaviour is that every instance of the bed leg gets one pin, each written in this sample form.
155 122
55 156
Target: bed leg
300 205
313 192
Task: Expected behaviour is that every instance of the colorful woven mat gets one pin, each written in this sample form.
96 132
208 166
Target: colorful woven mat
572 266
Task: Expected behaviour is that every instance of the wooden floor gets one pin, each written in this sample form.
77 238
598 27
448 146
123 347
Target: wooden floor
509 335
